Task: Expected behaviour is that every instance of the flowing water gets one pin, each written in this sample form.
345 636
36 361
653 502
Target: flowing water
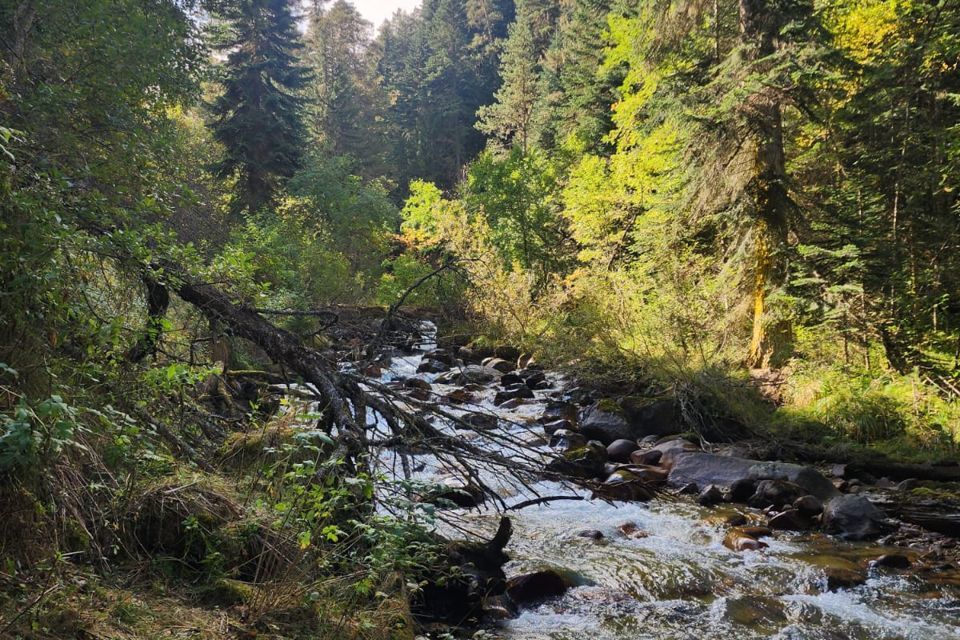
673 578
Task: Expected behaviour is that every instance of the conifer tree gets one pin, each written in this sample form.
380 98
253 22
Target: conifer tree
258 117
342 112
511 119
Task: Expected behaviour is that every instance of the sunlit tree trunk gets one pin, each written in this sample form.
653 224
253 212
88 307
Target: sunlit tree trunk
771 341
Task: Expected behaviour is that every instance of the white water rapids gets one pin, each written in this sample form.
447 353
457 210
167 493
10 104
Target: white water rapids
675 579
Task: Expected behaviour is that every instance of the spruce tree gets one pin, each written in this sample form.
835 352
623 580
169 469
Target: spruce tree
257 118
342 88
511 120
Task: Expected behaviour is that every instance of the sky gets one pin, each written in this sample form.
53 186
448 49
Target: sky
376 11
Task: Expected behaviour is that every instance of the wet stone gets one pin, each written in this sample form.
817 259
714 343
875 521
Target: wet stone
790 520
621 450
533 587
842 578
710 496
650 456
511 379
432 366
591 534
809 506
893 561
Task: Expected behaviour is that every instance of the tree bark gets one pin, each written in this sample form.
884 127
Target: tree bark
771 342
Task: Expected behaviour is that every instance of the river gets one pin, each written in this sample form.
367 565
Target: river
670 576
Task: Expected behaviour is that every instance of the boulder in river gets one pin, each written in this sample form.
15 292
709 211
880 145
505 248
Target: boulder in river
559 410
710 496
739 540
790 520
478 421
584 462
442 355
703 469
429 365
853 518
843 578
513 392
650 456
775 493
509 379
607 420
536 586
478 374
810 506
417 383
623 484
620 450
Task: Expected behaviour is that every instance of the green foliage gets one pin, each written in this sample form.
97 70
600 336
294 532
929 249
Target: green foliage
257 117
515 196
34 435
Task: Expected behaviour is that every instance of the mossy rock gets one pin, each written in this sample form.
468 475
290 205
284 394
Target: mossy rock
227 592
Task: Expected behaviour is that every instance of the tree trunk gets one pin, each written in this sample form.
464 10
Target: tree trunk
771 341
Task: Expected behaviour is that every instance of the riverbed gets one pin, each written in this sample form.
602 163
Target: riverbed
660 570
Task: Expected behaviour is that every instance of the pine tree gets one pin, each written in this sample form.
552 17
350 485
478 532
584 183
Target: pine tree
258 117
585 94
342 89
511 119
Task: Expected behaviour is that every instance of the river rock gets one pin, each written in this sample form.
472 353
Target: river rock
707 468
478 374
559 410
626 485
893 561
853 518
534 373
671 450
775 493
583 462
738 540
630 529
499 608
512 392
417 383
620 450
533 587
430 365
741 490
842 578
810 506
591 534
710 496
459 396
510 378
790 520
631 419
441 355
550 428
448 377
649 473
650 456
499 364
